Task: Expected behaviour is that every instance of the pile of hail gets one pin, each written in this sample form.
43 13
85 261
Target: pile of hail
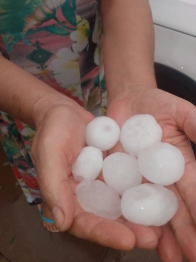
112 187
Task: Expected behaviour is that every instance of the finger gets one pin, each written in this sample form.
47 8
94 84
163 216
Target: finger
146 237
184 228
157 230
187 187
52 172
168 247
57 192
187 184
102 231
185 117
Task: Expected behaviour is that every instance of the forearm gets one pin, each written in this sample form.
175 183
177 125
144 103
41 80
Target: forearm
21 94
128 46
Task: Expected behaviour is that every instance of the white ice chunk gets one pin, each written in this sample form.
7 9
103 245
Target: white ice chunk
149 204
138 132
88 165
102 132
97 198
161 164
121 172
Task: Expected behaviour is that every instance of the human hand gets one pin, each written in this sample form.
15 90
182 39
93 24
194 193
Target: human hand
59 138
177 118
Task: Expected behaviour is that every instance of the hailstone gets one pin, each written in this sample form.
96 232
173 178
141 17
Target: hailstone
88 165
97 198
102 132
149 205
138 132
121 172
161 163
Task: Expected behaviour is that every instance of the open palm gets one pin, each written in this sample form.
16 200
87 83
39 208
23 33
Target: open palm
177 118
59 138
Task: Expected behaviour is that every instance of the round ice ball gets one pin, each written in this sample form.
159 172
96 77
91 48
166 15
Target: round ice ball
138 132
88 165
149 205
121 172
97 198
161 163
102 132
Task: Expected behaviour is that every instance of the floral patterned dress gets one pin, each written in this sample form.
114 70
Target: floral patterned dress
59 42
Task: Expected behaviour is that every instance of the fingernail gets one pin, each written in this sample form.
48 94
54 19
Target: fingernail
58 217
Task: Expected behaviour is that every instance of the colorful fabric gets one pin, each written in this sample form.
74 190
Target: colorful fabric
59 42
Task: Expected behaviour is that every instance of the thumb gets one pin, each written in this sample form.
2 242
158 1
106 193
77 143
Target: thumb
52 174
186 119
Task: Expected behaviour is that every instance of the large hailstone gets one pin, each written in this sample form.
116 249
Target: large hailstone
121 172
149 205
102 132
88 165
138 132
97 198
161 164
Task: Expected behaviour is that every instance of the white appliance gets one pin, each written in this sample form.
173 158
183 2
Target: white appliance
175 47
175 34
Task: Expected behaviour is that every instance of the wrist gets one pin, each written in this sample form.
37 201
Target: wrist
45 105
118 92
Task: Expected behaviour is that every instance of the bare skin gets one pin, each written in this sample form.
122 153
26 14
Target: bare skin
177 119
47 213
60 127
57 119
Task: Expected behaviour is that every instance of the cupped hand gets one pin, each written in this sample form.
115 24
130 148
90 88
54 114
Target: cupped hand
177 118
60 136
